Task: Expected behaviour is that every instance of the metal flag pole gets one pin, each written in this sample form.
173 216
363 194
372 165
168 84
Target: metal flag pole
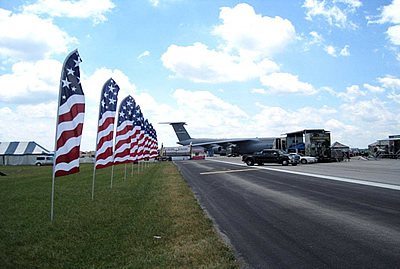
112 175
125 173
94 175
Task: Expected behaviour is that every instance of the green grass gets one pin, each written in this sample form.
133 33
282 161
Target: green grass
151 220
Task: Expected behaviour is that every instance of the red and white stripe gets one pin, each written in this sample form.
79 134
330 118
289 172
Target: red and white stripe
68 135
141 141
135 143
104 153
122 153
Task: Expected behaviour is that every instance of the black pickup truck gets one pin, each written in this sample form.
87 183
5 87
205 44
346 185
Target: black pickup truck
271 156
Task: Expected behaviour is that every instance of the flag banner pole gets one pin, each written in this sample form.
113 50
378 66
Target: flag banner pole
69 122
52 199
94 175
132 171
112 175
125 173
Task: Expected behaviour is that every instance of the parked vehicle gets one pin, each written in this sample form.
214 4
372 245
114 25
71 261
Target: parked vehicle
44 160
271 156
306 159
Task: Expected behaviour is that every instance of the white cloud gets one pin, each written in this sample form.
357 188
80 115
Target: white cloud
395 97
253 36
208 103
390 13
351 94
93 9
335 12
206 117
154 2
38 119
372 112
249 42
390 82
30 38
394 34
373 89
336 126
316 39
146 53
284 83
260 90
345 51
280 121
343 132
200 64
352 4
331 50
31 82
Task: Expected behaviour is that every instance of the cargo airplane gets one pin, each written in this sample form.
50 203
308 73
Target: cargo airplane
220 146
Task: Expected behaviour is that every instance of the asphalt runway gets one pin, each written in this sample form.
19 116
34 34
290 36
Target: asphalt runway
276 219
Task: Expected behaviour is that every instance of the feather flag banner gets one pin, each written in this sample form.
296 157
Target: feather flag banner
105 131
70 118
122 153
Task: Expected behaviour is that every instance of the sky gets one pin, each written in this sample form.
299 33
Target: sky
229 69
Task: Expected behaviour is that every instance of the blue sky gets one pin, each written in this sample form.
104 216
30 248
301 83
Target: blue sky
227 68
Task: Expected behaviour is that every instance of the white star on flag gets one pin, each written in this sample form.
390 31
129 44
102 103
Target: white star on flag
66 82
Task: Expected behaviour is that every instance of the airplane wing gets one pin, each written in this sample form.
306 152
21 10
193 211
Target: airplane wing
222 142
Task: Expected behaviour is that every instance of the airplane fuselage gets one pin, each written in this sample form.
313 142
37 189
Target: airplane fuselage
242 145
216 145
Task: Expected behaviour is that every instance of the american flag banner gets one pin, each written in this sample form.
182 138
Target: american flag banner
122 153
156 144
105 129
137 123
70 118
139 134
151 140
154 148
146 150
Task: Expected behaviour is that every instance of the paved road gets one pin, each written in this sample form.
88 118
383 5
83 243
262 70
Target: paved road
282 220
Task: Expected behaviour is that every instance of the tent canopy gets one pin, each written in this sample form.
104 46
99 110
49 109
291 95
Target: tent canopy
22 148
338 145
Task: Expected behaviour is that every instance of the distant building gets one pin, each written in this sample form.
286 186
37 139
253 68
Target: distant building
87 156
340 151
21 153
386 148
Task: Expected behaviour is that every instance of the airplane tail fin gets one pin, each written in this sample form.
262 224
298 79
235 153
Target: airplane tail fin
180 130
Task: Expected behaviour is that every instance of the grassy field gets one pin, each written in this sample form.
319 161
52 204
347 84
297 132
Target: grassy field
151 220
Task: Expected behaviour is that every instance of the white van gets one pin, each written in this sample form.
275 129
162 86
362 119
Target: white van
44 160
